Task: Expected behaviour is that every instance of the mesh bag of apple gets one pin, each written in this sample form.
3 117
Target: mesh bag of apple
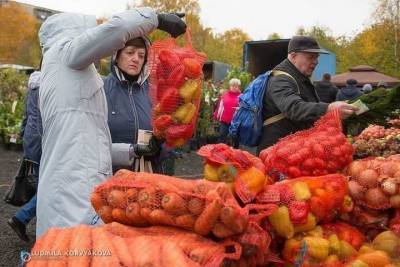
244 172
375 182
175 89
320 150
304 202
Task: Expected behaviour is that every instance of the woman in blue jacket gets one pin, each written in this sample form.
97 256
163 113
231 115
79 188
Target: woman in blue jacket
129 106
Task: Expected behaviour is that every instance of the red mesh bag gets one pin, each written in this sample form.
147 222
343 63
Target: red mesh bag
115 244
305 201
175 89
316 151
375 182
144 199
225 164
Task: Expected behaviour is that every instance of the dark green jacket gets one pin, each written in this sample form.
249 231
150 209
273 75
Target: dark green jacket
301 110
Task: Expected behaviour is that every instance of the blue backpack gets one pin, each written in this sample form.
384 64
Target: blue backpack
247 122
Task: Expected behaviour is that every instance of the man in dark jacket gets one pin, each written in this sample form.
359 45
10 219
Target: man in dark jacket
350 92
325 89
291 103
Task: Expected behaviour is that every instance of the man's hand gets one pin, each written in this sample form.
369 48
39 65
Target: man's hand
345 110
172 23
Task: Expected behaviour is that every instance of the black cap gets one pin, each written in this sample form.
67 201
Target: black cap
305 44
351 82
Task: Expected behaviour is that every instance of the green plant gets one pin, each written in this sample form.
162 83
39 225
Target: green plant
236 72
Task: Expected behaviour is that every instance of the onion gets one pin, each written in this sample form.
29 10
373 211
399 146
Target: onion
375 198
355 168
397 174
356 190
388 168
368 178
389 187
395 201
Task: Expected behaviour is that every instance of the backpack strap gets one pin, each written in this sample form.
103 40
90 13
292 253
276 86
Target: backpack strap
280 116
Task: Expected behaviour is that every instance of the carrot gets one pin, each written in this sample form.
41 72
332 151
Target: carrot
174 204
145 213
43 244
161 217
117 199
61 245
185 221
121 230
122 251
208 218
145 251
196 206
132 195
231 217
104 253
148 197
119 215
133 215
105 214
97 201
173 255
220 230
81 242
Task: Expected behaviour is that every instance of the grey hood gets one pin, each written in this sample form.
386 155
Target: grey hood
34 80
64 26
144 74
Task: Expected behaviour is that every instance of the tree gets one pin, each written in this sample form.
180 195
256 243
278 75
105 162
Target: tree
19 43
274 36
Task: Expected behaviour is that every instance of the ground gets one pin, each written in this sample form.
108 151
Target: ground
189 165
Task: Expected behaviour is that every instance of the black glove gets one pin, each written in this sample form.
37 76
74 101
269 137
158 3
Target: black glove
172 23
149 151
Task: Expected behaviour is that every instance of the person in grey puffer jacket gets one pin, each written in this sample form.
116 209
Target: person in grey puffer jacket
350 92
76 143
129 106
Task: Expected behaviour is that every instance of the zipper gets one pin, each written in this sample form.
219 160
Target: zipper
134 111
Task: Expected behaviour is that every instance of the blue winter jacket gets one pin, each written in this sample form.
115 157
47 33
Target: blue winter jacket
31 130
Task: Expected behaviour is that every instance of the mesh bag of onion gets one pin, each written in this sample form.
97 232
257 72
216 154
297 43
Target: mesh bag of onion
375 182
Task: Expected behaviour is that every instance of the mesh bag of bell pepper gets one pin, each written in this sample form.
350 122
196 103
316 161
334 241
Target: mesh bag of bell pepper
144 199
320 150
375 182
115 244
240 169
303 202
175 89
326 245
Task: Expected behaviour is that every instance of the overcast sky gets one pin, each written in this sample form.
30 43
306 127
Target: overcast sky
258 18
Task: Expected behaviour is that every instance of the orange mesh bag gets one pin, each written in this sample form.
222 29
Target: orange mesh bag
240 169
175 89
317 151
115 244
327 245
305 201
144 199
375 182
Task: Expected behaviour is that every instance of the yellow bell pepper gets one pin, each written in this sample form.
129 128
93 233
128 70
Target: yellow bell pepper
310 224
365 249
357 263
318 247
226 173
185 113
254 179
211 173
334 244
316 232
301 191
291 249
331 260
281 222
346 250
189 90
